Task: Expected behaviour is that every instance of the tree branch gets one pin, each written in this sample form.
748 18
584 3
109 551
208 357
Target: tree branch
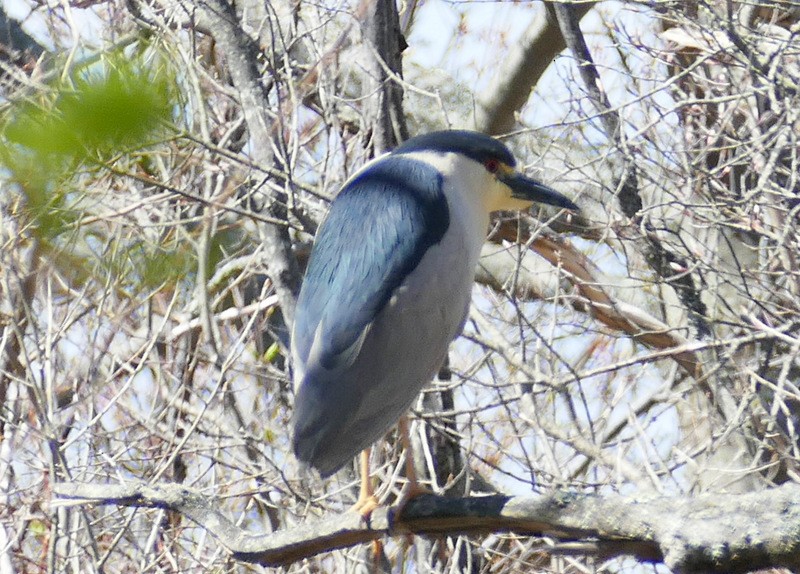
14 40
386 44
592 298
711 532
513 84
628 189
568 22
242 55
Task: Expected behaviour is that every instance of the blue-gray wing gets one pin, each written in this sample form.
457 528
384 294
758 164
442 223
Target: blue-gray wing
378 229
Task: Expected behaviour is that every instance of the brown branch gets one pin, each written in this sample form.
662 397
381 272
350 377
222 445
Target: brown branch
711 532
581 272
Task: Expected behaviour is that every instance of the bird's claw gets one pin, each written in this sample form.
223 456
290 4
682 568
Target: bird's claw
411 491
365 506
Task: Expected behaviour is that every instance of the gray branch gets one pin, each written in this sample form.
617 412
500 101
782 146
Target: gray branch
512 88
386 42
710 532
241 53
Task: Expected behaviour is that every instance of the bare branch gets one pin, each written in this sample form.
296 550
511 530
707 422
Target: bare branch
706 533
513 84
241 53
628 188
594 300
382 32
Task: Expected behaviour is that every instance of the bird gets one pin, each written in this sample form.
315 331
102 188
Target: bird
388 285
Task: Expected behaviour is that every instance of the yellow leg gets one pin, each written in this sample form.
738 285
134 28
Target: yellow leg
366 502
413 488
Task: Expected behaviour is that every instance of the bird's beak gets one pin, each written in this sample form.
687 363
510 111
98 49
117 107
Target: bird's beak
528 189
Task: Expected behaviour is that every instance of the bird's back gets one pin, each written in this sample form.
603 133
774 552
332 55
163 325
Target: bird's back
377 311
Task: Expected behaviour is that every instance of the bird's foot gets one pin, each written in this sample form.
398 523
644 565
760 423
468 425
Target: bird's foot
367 502
365 505
411 490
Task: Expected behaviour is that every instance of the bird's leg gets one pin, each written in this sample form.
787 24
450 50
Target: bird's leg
411 472
367 502
412 488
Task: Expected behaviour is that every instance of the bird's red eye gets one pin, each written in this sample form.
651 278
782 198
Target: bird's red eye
492 165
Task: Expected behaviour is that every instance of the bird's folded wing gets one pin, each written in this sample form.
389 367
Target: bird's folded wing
377 231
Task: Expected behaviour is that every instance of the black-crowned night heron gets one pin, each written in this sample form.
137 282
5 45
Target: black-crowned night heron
388 285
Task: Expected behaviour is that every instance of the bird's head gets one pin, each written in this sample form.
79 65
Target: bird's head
492 164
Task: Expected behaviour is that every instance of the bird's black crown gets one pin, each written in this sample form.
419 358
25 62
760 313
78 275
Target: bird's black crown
474 145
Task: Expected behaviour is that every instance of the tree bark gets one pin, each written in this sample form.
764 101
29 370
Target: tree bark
706 533
513 84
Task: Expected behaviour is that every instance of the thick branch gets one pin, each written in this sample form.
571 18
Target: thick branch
386 42
512 86
706 533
